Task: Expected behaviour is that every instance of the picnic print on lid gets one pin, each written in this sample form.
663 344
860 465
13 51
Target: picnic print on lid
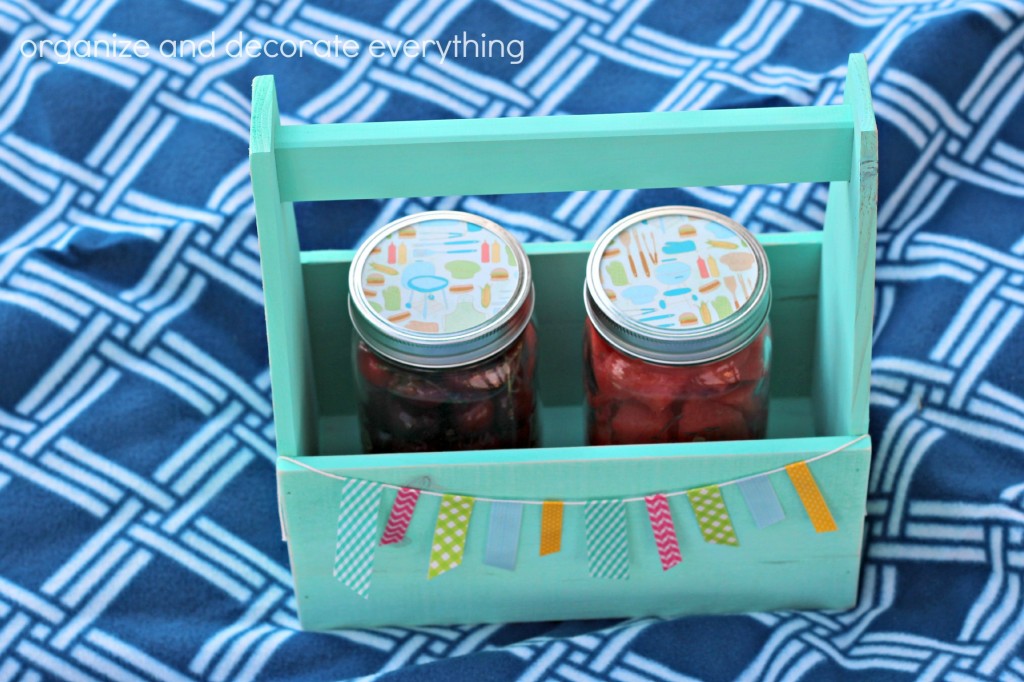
679 270
440 275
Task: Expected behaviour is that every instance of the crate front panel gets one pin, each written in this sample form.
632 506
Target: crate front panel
787 565
558 276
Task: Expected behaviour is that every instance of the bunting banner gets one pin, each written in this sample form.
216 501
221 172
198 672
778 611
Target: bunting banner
400 517
357 534
605 526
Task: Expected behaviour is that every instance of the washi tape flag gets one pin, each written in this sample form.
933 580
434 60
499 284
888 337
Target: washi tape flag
761 500
712 516
503 535
551 527
357 534
664 530
607 545
400 516
450 534
810 495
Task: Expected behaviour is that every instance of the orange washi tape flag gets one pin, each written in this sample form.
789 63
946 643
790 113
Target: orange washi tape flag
810 495
551 527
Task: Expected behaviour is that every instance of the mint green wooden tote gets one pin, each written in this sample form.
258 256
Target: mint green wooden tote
823 293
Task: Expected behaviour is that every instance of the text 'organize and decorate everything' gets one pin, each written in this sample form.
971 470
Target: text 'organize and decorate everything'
238 46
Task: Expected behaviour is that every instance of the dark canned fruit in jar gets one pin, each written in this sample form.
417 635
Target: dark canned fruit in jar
373 370
677 344
446 352
410 425
474 417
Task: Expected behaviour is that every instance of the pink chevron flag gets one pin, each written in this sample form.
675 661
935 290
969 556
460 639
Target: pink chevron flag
401 515
664 530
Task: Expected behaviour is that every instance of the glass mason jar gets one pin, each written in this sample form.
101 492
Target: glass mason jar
445 349
677 345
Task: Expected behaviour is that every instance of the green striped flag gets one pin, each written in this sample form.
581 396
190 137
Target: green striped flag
357 534
607 545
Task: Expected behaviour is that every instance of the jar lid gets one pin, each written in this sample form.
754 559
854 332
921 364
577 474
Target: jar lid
440 289
678 285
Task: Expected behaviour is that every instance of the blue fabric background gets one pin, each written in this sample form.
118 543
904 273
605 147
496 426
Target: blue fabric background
138 536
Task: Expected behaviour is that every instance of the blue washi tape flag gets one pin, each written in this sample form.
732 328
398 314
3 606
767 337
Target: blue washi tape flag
503 535
761 500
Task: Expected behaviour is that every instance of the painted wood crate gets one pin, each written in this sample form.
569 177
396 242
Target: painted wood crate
821 317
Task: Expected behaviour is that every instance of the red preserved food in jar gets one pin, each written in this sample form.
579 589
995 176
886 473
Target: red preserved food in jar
677 345
446 353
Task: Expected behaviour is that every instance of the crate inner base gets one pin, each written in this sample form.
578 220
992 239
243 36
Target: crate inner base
558 271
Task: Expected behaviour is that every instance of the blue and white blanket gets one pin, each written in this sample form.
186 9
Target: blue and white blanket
138 537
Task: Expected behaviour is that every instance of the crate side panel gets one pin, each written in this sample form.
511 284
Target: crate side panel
864 181
842 360
330 332
795 262
784 566
291 368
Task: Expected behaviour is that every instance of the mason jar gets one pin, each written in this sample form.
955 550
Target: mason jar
677 345
445 349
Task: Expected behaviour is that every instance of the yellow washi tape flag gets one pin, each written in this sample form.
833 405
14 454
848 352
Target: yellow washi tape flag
551 527
810 495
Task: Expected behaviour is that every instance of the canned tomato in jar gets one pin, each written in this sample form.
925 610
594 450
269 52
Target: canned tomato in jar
445 349
677 344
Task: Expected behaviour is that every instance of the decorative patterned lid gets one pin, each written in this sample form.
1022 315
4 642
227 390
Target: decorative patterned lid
678 285
441 288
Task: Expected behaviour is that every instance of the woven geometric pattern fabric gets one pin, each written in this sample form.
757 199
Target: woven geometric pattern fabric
137 497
